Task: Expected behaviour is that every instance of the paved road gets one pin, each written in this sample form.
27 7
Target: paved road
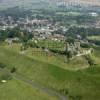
50 92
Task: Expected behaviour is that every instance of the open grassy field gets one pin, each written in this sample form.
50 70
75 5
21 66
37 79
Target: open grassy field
97 38
69 13
79 85
55 45
18 90
94 39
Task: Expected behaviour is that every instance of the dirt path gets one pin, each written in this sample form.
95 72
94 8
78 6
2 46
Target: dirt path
50 92
42 88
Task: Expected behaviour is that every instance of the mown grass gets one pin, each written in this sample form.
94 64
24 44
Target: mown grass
80 83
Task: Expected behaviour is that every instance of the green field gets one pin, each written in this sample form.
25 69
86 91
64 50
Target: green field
83 84
15 89
69 13
97 38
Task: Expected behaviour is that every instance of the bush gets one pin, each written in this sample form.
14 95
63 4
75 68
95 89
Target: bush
13 70
90 60
78 97
85 45
64 91
2 65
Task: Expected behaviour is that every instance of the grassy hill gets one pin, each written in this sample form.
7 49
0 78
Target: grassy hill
18 90
77 84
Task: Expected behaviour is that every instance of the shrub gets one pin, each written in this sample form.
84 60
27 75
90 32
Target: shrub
90 60
78 97
2 65
13 70
64 91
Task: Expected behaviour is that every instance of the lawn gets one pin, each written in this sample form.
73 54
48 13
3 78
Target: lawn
80 85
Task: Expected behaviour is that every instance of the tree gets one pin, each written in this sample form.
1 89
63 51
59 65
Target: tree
90 60
69 55
70 40
13 70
